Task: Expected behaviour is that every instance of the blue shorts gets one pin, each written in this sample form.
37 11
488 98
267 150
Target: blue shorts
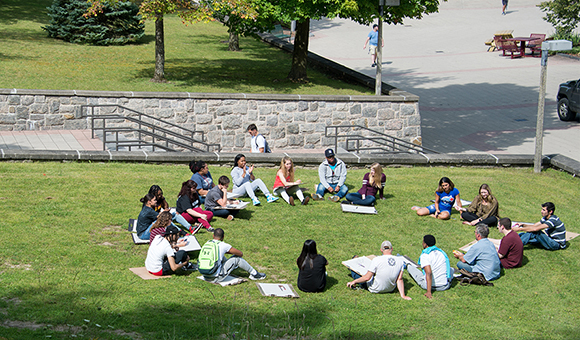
432 209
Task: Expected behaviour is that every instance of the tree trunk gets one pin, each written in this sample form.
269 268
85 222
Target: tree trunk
159 76
234 44
300 53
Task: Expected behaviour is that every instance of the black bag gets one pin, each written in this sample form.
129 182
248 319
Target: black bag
266 146
474 278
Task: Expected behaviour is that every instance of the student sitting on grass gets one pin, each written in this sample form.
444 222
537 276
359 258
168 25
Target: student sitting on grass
158 228
147 216
285 185
373 182
189 207
202 177
483 208
162 205
311 269
218 197
446 196
245 183
162 258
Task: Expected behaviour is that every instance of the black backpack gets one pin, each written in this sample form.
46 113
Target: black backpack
266 147
474 278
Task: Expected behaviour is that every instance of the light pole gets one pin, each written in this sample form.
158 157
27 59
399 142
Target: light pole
550 45
379 58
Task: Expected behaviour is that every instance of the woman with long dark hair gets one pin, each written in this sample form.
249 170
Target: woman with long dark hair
189 207
483 208
147 216
446 196
311 269
245 183
202 177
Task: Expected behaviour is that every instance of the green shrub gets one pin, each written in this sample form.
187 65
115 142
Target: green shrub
117 24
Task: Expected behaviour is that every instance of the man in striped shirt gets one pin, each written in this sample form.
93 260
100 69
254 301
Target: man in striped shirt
549 233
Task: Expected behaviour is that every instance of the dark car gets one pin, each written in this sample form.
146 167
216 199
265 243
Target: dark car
569 100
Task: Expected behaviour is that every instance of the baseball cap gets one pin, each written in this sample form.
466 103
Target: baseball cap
329 153
386 245
171 230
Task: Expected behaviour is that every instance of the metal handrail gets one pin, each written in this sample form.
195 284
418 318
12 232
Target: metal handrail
152 130
385 143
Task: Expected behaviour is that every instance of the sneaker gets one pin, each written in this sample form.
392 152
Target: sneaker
334 198
373 65
317 197
195 228
190 267
306 200
291 201
271 199
230 217
210 230
258 276
255 201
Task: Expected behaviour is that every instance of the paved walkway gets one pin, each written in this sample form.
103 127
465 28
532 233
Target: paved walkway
471 101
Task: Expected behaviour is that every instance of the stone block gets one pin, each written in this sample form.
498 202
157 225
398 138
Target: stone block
285 117
82 101
27 100
265 110
369 112
180 118
407 109
166 104
7 119
414 120
313 106
39 99
76 124
240 108
224 110
393 125
231 122
252 105
411 131
3 107
54 119
252 116
203 119
290 107
338 115
38 108
326 141
164 113
150 103
299 116
227 141
277 133
200 108
280 143
67 108
356 109
384 114
313 138
240 141
320 127
307 128
302 106
295 140
14 99
293 129
22 112
272 121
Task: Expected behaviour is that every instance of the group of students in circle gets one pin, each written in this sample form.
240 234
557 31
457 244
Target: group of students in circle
155 216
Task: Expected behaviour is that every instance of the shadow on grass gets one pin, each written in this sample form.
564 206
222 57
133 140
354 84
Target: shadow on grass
16 10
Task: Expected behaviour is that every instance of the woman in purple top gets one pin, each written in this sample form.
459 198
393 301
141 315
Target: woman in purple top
373 181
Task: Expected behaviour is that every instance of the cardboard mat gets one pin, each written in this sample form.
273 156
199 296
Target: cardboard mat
145 275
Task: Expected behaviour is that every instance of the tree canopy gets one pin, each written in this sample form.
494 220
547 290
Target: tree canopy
564 15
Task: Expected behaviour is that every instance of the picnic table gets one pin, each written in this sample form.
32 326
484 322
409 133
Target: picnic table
523 41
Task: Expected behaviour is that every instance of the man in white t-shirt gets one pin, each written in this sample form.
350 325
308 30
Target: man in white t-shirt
227 265
437 273
258 141
384 274
162 259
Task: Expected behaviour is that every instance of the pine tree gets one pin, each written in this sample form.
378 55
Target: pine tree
117 24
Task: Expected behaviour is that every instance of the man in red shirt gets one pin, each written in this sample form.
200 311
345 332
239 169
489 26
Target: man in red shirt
511 248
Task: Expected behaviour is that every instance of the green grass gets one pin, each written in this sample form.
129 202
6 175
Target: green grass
197 60
65 254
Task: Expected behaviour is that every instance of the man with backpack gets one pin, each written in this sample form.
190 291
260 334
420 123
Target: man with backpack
481 257
258 142
215 266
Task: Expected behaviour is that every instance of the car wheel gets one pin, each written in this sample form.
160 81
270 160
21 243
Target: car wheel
564 110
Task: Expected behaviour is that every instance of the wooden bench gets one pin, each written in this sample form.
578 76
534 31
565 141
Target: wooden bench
536 44
507 46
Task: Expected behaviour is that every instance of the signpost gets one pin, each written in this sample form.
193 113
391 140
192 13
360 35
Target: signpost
379 59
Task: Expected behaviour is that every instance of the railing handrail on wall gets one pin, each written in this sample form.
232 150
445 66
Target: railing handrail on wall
384 142
155 132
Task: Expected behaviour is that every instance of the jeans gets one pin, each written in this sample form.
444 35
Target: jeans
248 188
181 220
541 239
147 233
321 190
224 212
356 198
228 266
364 285
463 265
419 277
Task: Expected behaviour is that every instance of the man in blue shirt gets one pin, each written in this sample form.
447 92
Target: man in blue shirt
481 257
373 41
549 233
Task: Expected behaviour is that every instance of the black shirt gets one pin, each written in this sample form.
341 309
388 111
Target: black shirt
312 280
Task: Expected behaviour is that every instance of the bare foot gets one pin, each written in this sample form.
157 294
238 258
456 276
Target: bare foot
415 208
465 222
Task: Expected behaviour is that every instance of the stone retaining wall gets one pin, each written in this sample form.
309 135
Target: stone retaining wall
287 121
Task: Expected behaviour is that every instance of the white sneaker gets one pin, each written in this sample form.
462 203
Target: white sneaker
258 276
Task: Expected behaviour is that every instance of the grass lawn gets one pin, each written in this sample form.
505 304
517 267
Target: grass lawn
65 254
197 60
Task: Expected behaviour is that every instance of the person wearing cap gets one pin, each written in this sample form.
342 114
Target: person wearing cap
481 257
437 273
332 175
162 257
511 248
384 274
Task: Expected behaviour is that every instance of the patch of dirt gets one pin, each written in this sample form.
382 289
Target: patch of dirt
62 328
17 266
106 244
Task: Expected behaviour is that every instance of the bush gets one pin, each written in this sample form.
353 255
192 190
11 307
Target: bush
117 24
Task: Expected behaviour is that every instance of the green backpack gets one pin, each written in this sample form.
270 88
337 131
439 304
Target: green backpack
209 256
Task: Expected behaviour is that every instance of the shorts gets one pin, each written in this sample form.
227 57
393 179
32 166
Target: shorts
432 209
372 49
504 2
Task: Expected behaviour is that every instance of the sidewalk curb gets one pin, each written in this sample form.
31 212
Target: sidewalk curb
312 160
